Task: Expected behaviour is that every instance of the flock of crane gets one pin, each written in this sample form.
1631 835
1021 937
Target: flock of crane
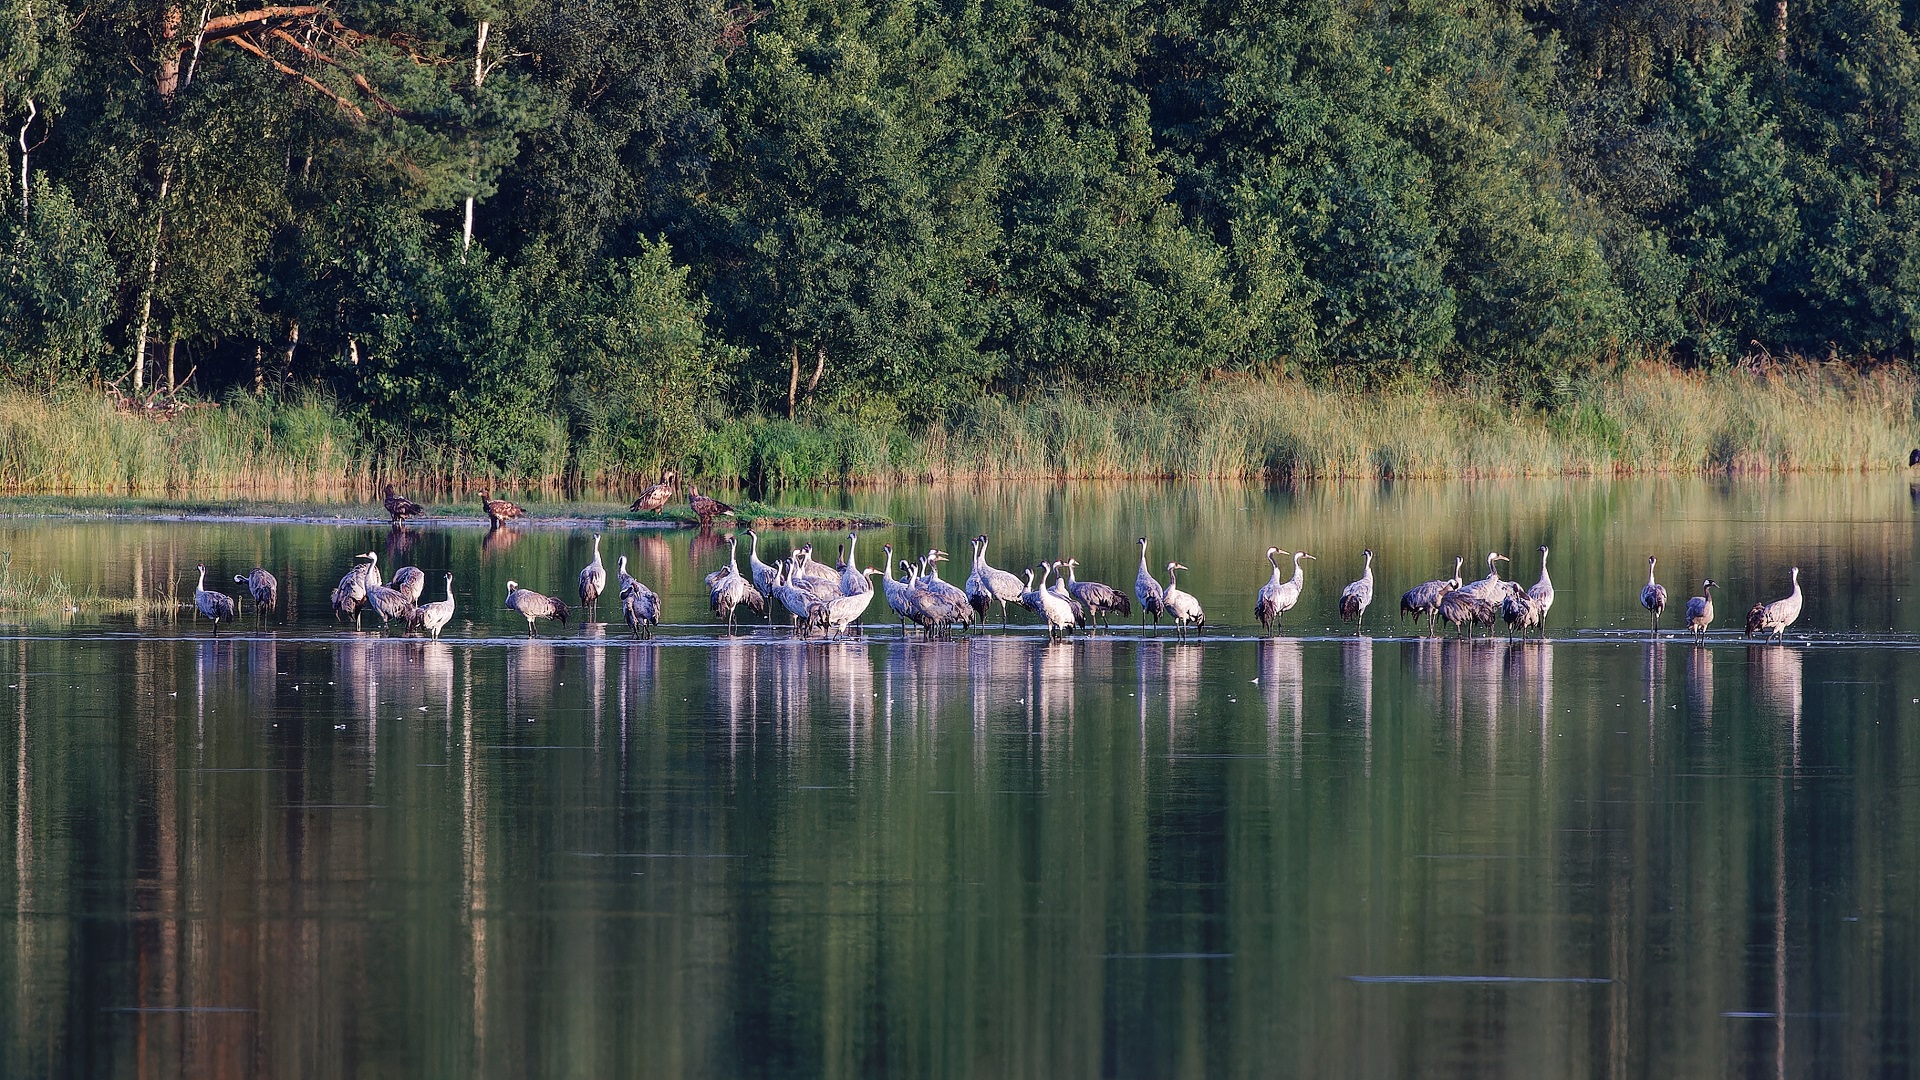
831 599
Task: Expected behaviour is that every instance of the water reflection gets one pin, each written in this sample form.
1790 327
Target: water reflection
1700 686
1774 675
1283 682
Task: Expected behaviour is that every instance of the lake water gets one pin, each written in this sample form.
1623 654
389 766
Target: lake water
299 850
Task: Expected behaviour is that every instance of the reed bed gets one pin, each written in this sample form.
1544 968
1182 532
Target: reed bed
50 596
1643 418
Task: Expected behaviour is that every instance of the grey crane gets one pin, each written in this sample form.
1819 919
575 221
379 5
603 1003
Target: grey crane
409 582
390 604
1464 610
1700 609
1653 597
534 606
351 594
1100 599
1057 613
1184 608
1424 599
841 613
1153 599
953 605
1542 591
263 588
854 580
1773 619
1355 598
640 606
216 606
593 579
1082 616
807 609
763 574
726 592
986 585
434 616
1520 609
1266 605
900 595
1278 597
1489 588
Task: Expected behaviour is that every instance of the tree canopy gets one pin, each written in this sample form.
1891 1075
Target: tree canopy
570 229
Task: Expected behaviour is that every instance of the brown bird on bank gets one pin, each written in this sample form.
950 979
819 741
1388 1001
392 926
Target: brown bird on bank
707 508
656 496
401 507
498 510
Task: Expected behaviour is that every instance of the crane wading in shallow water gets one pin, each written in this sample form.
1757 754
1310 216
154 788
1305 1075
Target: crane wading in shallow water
262 587
1700 610
434 617
532 605
1773 619
216 606
1184 608
1153 599
1357 595
593 579
1423 600
1653 597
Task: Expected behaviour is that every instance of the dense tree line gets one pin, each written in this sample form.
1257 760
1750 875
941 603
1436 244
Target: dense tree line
531 227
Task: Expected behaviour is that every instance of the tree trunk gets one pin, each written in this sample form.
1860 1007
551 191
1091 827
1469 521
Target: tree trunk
259 369
293 342
166 73
25 152
1780 30
793 383
153 276
172 343
819 366
479 76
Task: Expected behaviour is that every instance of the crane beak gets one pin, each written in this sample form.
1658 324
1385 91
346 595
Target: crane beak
1304 555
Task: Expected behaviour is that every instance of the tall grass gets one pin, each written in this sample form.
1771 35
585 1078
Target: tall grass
1644 418
50 596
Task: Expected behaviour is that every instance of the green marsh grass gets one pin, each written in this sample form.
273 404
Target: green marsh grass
1642 418
35 596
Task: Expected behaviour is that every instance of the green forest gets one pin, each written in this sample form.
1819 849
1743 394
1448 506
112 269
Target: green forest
586 231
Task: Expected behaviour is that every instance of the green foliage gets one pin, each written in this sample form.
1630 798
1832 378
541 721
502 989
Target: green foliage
891 215
56 290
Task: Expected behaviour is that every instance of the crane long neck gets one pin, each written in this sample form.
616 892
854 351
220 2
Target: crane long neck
202 587
1649 571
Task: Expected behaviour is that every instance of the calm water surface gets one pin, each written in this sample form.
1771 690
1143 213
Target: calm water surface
297 850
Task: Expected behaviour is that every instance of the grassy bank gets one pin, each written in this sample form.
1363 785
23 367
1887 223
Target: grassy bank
1647 418
31 595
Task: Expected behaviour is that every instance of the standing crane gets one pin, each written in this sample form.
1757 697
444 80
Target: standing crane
216 606
1355 598
532 605
263 588
1521 610
1774 618
986 585
1100 599
1040 600
1653 597
1424 598
399 507
1184 608
593 579
1488 588
1700 610
433 617
639 605
726 593
1542 592
853 580
409 582
1153 599
1278 597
